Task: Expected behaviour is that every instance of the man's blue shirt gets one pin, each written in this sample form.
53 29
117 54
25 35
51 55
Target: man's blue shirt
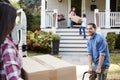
97 46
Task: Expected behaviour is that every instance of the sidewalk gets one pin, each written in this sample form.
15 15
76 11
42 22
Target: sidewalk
80 69
80 60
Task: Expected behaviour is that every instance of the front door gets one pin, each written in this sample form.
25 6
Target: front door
115 5
77 5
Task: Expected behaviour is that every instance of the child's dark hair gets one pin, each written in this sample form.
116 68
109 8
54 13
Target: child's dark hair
84 15
7 20
93 25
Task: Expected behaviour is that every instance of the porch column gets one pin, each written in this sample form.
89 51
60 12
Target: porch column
83 7
43 12
107 14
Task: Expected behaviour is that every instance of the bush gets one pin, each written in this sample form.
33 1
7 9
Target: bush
117 42
33 21
111 37
39 41
55 37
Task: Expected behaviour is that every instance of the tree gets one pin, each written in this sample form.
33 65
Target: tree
30 4
32 9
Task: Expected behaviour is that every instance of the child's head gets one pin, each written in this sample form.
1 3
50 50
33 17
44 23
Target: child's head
84 15
7 19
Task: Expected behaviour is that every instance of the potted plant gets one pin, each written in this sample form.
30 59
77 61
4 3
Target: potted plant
55 44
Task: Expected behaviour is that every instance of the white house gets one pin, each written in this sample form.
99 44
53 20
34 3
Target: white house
105 13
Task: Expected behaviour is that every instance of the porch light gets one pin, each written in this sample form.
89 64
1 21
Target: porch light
93 0
59 0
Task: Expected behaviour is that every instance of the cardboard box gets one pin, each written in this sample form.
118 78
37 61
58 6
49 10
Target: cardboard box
61 70
33 70
76 19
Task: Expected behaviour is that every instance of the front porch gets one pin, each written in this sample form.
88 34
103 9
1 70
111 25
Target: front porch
102 17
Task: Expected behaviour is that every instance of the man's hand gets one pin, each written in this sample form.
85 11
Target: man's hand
98 70
90 70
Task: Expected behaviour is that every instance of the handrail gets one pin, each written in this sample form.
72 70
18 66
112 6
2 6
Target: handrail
51 19
114 19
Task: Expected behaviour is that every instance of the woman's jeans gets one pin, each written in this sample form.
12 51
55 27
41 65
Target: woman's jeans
82 30
71 24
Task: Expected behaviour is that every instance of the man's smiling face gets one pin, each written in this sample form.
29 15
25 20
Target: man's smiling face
90 30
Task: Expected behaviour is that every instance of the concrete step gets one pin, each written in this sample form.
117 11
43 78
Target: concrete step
73 41
72 53
78 45
67 30
73 49
73 38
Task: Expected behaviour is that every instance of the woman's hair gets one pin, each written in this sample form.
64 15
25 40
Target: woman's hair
93 25
7 1
71 9
7 19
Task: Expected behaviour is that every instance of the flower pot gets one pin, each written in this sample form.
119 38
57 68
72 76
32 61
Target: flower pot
55 47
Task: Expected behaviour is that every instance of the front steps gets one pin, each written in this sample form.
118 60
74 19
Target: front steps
71 42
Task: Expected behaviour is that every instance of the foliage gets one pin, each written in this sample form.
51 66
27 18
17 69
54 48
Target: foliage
33 21
39 41
111 37
15 3
33 14
31 5
55 37
117 42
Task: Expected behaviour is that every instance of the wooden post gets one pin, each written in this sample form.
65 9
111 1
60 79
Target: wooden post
83 7
107 25
96 18
43 12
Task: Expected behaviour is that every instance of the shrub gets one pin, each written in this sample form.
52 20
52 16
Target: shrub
55 37
111 37
33 21
117 42
39 41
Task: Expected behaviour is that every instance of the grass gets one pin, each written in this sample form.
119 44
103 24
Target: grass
114 70
30 53
115 58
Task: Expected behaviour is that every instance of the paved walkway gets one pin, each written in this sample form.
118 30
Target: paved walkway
80 60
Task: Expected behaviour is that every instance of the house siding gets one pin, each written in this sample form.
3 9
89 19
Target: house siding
61 6
90 14
64 8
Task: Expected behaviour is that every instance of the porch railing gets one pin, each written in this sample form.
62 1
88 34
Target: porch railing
51 19
114 19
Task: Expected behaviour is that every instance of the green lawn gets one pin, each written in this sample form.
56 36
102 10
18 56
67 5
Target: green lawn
30 53
114 70
115 58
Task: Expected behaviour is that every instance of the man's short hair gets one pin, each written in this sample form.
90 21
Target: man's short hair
93 25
